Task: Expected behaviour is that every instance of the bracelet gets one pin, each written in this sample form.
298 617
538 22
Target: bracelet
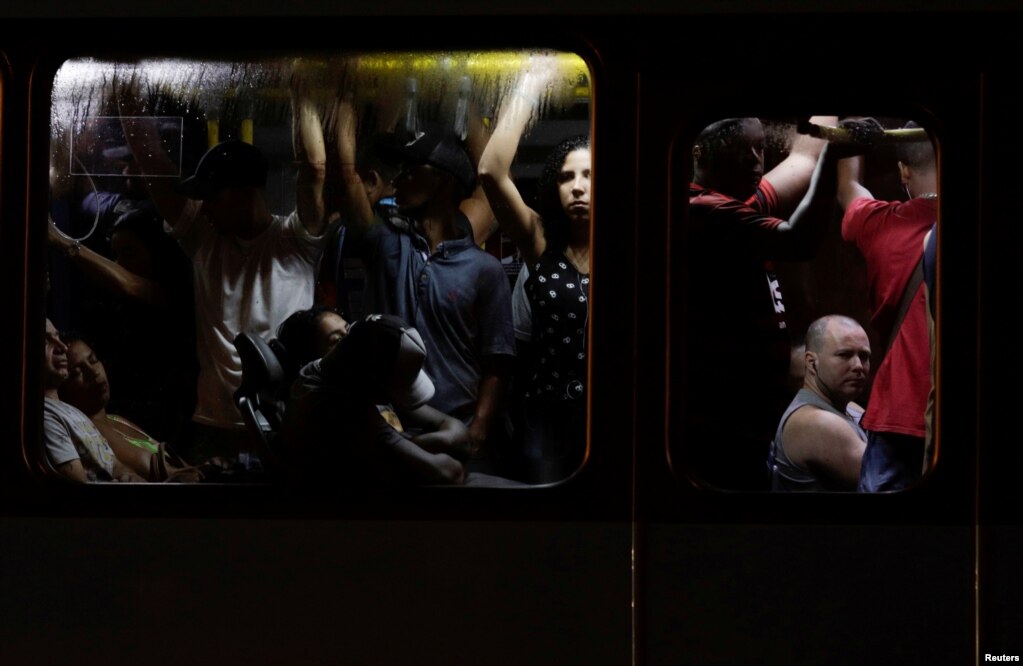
73 249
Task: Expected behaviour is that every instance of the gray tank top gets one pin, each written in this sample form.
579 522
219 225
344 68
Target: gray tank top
786 476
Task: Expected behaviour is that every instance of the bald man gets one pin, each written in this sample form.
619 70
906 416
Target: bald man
819 443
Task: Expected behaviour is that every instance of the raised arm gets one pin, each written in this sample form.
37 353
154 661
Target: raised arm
477 207
311 157
791 177
520 222
106 273
850 181
158 171
355 207
799 236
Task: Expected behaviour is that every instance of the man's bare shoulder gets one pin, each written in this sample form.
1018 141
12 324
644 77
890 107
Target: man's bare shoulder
816 421
810 427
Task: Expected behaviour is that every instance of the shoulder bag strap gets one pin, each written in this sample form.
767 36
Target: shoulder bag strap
907 298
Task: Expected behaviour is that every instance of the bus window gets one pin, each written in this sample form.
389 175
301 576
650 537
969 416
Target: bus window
252 261
805 343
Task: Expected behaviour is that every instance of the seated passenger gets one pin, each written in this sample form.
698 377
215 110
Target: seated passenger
308 335
88 389
819 443
144 304
75 448
334 432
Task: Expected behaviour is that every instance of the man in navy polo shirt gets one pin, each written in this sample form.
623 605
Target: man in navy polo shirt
424 266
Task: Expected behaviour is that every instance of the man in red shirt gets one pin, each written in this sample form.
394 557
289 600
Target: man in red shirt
890 235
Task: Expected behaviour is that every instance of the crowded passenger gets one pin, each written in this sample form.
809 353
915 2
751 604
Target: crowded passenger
741 221
95 184
425 267
361 188
818 445
74 446
252 267
309 334
145 313
333 430
412 211
555 246
88 389
364 189
341 282
890 235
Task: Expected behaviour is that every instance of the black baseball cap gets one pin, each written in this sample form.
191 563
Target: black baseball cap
228 164
440 149
387 353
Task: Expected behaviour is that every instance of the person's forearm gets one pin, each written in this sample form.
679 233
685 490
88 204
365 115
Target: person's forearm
496 158
504 202
451 442
807 224
850 181
112 276
356 208
74 471
157 169
311 156
426 467
488 404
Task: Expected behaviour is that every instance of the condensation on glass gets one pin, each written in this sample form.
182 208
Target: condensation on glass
136 294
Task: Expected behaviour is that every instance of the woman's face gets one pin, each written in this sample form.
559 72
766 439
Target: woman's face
574 185
86 386
331 328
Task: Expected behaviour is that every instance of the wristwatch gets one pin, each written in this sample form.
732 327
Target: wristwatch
73 249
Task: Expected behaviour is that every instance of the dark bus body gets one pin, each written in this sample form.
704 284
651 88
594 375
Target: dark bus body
629 561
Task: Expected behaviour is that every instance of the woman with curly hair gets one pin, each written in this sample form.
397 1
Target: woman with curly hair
555 244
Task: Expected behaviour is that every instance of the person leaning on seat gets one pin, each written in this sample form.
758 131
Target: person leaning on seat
334 432
74 446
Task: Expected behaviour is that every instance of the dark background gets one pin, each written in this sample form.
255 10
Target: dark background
627 562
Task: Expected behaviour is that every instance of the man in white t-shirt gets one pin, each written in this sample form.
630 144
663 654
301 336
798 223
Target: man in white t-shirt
252 269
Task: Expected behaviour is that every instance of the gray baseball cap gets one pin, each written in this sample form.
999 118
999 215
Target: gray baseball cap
387 353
